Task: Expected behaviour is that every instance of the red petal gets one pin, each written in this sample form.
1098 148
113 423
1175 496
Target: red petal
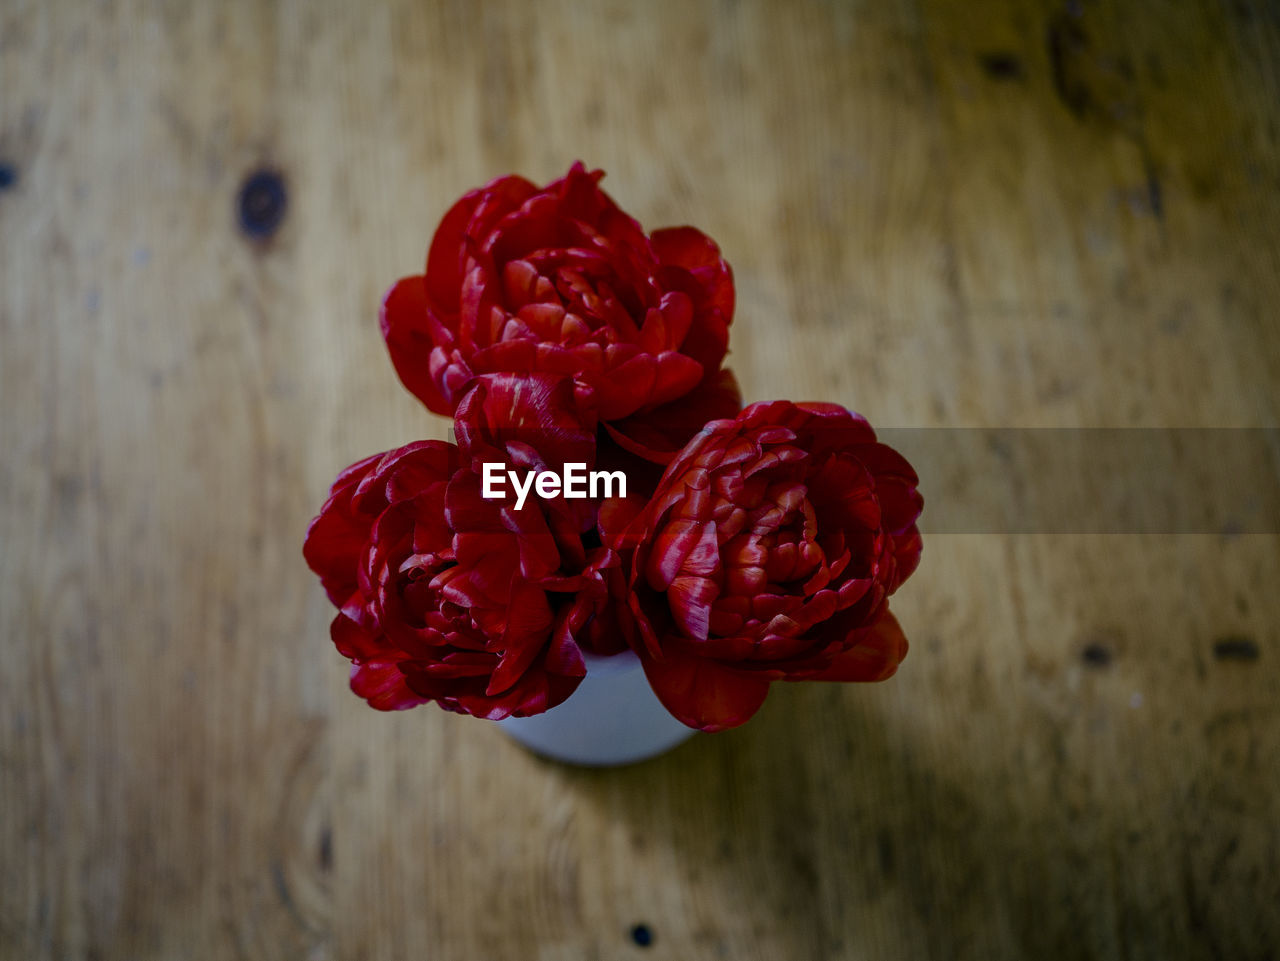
468 511
626 385
683 547
685 247
383 686
468 219
337 537
675 377
906 551
544 412
528 623
659 434
355 642
410 335
520 283
616 516
697 253
690 599
704 694
875 655
666 326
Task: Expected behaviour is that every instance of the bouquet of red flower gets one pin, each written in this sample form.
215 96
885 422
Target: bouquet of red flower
607 491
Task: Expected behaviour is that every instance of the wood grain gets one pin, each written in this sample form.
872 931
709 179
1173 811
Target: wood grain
998 214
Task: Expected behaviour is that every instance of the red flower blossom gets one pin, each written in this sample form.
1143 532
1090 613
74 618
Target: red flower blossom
560 281
768 552
562 339
445 596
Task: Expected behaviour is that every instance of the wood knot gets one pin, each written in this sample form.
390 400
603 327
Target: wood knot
1000 65
262 204
1236 648
1096 655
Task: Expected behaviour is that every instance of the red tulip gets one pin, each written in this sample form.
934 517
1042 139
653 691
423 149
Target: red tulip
445 596
560 281
768 552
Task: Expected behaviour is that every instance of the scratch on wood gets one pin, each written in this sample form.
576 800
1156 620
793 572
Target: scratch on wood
1067 43
1236 648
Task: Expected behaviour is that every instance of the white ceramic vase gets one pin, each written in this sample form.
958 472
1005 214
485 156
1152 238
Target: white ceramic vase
612 718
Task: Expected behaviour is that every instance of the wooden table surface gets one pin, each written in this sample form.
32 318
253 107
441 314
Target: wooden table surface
999 214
